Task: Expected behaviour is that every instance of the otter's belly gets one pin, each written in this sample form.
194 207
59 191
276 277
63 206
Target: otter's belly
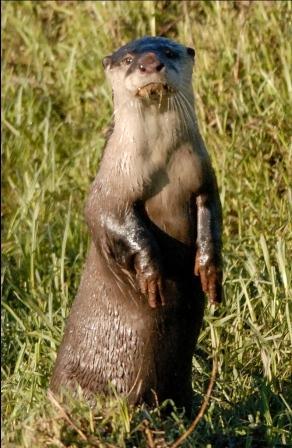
172 215
171 206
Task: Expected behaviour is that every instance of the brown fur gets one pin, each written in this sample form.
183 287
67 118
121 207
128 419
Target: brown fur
139 308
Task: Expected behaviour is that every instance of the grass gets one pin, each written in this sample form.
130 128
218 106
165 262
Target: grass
55 105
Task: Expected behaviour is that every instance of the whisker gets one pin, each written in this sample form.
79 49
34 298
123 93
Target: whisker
182 113
188 111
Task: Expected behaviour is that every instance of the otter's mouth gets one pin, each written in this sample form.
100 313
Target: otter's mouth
154 90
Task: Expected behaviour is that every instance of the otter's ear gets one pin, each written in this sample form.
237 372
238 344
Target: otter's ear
191 52
106 62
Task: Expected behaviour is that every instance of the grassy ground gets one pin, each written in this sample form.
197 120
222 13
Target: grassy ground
55 105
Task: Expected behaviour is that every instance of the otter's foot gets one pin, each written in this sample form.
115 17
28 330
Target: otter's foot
211 278
151 284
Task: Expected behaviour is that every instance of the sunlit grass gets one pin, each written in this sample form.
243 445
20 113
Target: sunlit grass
55 106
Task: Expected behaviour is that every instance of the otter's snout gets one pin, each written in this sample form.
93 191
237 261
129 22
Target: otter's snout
149 63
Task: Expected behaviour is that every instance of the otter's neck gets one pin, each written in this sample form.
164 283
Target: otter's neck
152 127
143 140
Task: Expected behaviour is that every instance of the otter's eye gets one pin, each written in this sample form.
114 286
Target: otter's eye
169 53
128 60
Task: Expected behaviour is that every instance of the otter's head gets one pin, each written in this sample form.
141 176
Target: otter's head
149 69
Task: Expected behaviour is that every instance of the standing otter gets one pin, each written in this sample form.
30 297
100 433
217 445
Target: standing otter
155 218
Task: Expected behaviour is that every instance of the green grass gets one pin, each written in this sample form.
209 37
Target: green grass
55 106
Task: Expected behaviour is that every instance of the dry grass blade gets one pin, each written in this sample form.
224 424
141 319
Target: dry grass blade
203 408
65 416
149 435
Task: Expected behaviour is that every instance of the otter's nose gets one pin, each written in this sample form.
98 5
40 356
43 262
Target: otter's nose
149 63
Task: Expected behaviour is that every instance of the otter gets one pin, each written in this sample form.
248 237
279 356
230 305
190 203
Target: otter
155 219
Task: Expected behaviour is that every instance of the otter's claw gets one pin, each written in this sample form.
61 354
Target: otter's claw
151 285
211 279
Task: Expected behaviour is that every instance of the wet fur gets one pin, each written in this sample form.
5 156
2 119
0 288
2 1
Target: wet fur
143 214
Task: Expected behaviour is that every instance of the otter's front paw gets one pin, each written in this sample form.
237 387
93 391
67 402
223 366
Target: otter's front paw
151 284
211 277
